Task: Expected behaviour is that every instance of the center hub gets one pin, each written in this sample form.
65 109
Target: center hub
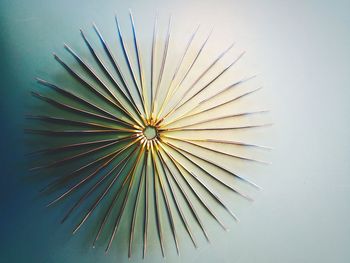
150 132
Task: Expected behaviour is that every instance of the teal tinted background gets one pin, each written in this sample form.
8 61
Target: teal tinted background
300 50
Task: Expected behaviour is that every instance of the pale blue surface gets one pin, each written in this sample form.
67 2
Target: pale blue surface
300 50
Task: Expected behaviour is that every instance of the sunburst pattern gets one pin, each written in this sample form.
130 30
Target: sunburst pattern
139 154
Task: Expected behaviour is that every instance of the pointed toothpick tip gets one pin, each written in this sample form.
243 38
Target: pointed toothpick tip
259 188
211 31
39 80
33 169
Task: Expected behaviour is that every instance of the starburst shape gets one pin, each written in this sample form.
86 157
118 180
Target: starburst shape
139 153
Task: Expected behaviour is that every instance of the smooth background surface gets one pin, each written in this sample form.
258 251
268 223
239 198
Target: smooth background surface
300 49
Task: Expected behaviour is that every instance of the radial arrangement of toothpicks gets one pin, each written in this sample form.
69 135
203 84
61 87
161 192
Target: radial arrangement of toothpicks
139 155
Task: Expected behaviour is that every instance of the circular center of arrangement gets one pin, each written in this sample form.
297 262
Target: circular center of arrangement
150 132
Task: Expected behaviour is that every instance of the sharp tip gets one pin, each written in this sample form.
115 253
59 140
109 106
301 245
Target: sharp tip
42 189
